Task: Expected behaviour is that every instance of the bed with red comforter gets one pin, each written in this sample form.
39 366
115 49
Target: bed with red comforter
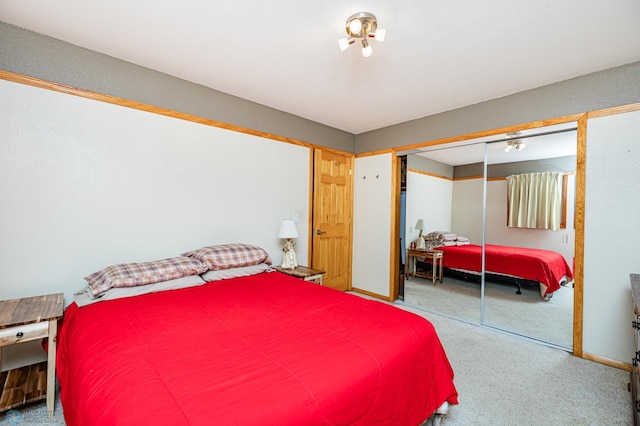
547 267
267 349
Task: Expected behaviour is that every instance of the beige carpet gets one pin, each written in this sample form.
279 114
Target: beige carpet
506 380
526 314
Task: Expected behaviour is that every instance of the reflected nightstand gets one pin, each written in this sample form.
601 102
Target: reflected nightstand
436 263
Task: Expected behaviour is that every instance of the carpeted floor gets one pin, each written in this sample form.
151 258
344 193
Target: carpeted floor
506 380
526 314
501 380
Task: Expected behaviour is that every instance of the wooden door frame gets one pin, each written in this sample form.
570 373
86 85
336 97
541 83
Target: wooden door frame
581 120
394 277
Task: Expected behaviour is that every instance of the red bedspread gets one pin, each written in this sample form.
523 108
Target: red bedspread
544 266
260 350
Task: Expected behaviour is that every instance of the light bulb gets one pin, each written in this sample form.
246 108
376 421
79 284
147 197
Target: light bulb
380 34
367 50
508 147
355 26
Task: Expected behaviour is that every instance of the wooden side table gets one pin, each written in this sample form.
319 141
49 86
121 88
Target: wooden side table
307 274
22 320
436 257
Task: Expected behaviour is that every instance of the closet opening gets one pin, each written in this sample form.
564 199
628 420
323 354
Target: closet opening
459 191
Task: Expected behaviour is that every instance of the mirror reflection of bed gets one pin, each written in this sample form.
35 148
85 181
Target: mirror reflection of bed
446 188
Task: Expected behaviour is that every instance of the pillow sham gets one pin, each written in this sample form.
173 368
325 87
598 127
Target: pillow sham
242 271
135 274
226 256
85 297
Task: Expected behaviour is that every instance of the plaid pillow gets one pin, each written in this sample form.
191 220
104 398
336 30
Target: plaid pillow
226 256
135 274
440 236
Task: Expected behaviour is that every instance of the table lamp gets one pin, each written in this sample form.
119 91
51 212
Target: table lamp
288 230
421 243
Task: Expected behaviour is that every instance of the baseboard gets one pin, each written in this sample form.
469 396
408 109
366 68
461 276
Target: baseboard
607 361
369 293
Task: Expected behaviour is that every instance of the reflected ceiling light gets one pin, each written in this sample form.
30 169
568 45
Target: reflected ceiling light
514 143
517 144
362 25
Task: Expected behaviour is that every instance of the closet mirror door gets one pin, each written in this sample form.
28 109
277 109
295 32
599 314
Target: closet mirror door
529 236
444 196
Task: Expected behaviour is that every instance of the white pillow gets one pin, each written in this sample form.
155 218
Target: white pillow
242 271
85 297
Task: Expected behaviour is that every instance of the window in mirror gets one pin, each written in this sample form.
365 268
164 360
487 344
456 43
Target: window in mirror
535 200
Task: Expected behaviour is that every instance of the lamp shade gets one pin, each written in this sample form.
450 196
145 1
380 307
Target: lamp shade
420 225
288 229
344 44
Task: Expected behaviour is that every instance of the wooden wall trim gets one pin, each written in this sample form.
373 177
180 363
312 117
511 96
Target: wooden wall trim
371 294
100 97
378 152
613 111
578 272
608 361
525 126
422 172
394 243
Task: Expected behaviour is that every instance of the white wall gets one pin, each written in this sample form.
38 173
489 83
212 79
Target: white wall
466 213
612 233
372 224
428 198
85 184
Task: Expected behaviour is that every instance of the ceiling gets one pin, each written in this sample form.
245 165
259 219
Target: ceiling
560 140
438 55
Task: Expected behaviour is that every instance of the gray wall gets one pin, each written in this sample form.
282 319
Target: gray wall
558 164
419 162
28 53
604 89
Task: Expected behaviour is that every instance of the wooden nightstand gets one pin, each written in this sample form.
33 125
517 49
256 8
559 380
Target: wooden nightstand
436 261
22 320
307 274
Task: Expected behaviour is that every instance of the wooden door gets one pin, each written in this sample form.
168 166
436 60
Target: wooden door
332 217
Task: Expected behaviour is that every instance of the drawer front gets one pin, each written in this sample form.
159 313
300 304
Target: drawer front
23 333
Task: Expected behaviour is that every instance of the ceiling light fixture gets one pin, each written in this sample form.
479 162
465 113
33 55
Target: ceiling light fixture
518 144
362 25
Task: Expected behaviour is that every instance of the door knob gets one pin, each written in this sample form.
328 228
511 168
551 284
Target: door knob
318 232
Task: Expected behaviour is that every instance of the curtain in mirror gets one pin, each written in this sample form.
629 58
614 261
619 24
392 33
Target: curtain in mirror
535 200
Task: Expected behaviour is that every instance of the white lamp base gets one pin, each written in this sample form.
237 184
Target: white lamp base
289 257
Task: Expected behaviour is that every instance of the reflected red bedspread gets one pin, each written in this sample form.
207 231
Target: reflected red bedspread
544 266
267 349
